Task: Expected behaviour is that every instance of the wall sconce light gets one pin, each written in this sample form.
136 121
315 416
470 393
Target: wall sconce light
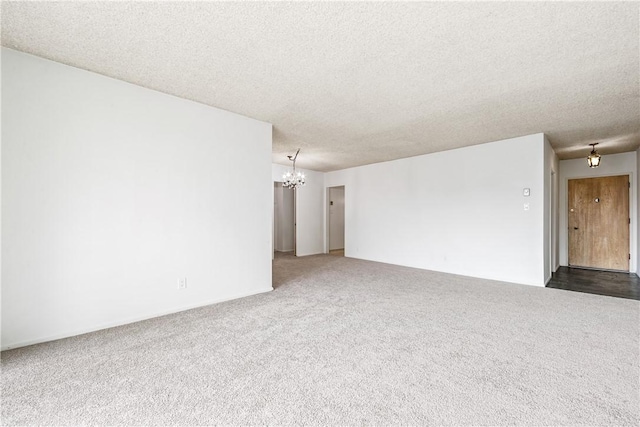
594 158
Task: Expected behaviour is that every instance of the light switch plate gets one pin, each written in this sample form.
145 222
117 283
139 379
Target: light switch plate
526 192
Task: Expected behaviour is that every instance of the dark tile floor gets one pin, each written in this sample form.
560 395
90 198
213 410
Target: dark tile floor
613 284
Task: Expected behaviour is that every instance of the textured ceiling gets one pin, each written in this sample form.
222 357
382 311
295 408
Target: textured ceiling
358 83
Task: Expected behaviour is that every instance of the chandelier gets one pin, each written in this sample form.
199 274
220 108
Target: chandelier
293 179
594 158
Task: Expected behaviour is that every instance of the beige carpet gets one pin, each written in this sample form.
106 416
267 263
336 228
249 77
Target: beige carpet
343 341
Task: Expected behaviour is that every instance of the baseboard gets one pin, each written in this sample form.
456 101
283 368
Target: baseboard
456 273
128 321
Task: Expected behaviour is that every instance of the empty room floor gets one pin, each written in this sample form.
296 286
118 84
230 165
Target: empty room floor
345 341
609 283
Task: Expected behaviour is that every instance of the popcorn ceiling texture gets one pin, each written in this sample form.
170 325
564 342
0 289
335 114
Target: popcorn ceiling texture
358 83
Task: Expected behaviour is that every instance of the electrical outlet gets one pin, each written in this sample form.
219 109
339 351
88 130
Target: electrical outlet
526 206
182 283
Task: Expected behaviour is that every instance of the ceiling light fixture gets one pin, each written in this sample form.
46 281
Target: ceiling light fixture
293 179
594 158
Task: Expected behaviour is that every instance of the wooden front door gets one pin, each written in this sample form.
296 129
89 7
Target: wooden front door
599 222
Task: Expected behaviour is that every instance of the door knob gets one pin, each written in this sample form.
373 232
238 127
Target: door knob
575 228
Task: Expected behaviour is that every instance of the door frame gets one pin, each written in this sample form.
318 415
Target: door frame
564 217
273 220
327 215
620 181
553 225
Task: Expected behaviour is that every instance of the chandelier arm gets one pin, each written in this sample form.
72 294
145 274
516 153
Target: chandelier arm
294 161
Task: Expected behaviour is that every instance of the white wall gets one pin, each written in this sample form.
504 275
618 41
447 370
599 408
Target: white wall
459 211
336 220
111 192
309 202
612 164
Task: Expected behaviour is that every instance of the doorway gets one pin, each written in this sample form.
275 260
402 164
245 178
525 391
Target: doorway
336 220
283 219
599 223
